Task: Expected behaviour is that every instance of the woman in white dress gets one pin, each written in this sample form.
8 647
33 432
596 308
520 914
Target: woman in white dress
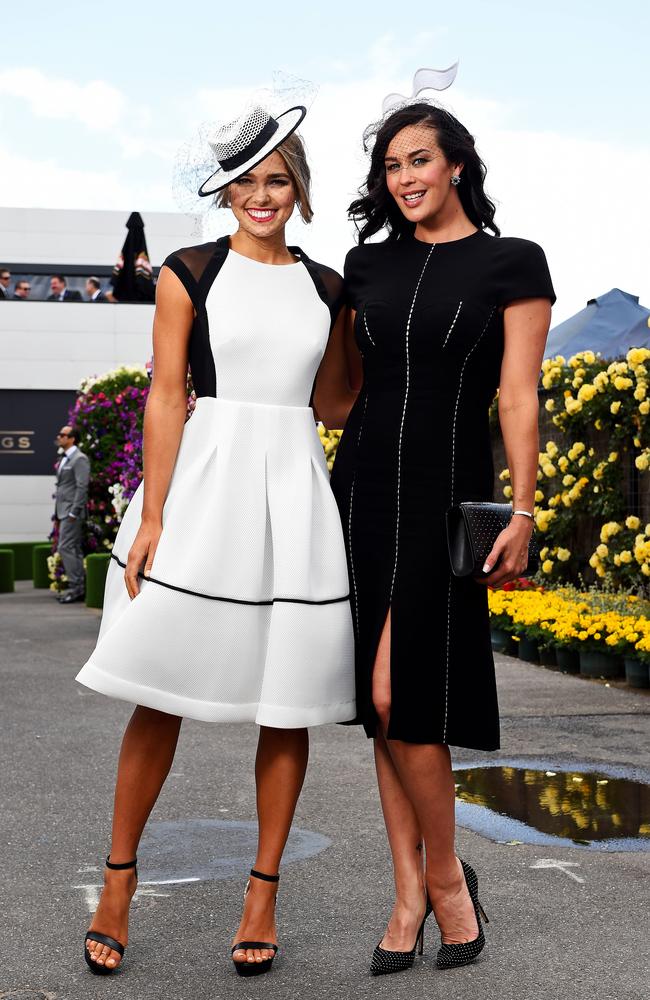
227 598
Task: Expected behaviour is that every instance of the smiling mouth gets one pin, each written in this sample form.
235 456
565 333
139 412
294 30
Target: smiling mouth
261 214
413 197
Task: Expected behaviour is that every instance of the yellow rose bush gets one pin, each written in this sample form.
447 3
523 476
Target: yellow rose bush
623 554
589 391
572 483
600 409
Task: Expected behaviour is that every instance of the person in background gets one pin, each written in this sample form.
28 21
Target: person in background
94 290
61 292
22 290
72 478
5 279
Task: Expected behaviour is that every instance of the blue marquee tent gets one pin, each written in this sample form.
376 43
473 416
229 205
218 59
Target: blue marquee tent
609 324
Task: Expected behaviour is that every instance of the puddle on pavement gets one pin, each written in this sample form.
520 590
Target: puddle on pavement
196 850
549 805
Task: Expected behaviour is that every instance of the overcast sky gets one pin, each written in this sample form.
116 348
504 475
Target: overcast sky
96 99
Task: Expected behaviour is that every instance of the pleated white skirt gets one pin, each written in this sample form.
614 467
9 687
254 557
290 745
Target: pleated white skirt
246 615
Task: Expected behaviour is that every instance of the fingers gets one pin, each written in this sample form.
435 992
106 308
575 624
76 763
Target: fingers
494 556
136 557
491 559
503 564
150 557
141 553
132 582
509 569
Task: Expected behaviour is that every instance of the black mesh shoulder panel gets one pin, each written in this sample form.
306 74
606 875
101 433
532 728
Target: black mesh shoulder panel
328 282
197 267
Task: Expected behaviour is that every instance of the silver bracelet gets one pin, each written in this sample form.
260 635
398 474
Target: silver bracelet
526 513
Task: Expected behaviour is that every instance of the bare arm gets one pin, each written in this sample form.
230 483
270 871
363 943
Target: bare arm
526 324
334 395
164 417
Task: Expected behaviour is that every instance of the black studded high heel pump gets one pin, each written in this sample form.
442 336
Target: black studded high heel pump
384 962
452 955
102 970
255 968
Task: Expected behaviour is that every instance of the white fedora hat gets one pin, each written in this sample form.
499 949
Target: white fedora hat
217 153
240 145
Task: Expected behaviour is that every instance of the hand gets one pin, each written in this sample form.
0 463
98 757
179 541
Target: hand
511 551
142 551
72 517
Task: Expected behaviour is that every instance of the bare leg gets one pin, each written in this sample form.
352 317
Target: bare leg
421 796
280 768
427 779
407 849
402 825
146 756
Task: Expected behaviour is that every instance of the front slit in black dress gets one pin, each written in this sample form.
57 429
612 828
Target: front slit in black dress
429 325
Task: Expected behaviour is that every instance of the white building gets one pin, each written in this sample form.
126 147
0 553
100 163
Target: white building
46 348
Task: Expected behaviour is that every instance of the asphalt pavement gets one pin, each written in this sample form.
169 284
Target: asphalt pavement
565 922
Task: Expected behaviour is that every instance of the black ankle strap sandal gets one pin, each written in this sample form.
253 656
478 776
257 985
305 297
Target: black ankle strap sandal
123 866
102 970
255 968
263 877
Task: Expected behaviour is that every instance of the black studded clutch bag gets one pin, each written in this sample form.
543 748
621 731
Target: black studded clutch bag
472 529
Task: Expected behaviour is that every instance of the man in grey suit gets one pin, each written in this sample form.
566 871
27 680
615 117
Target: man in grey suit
72 478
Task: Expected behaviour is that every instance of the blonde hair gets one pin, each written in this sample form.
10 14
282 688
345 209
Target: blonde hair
293 152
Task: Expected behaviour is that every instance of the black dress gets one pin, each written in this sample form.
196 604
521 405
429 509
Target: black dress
429 325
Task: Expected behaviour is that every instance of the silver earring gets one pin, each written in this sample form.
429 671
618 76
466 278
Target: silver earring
455 180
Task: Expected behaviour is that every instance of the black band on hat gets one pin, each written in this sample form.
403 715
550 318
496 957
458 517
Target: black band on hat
232 162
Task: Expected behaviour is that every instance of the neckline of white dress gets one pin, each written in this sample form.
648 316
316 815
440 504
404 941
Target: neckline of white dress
261 262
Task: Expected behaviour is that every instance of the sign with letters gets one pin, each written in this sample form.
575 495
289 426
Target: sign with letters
29 422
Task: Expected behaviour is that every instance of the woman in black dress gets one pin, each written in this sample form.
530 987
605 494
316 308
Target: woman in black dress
441 315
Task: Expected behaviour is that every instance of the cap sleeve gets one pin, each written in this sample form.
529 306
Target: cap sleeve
333 283
350 278
176 264
196 267
524 274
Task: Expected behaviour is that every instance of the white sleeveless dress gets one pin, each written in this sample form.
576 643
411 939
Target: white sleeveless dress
246 613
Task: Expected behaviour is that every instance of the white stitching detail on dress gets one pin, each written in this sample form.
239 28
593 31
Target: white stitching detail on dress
354 578
444 727
460 304
365 323
453 459
460 387
401 426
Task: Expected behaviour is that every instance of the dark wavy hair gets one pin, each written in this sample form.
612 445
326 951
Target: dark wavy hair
376 209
